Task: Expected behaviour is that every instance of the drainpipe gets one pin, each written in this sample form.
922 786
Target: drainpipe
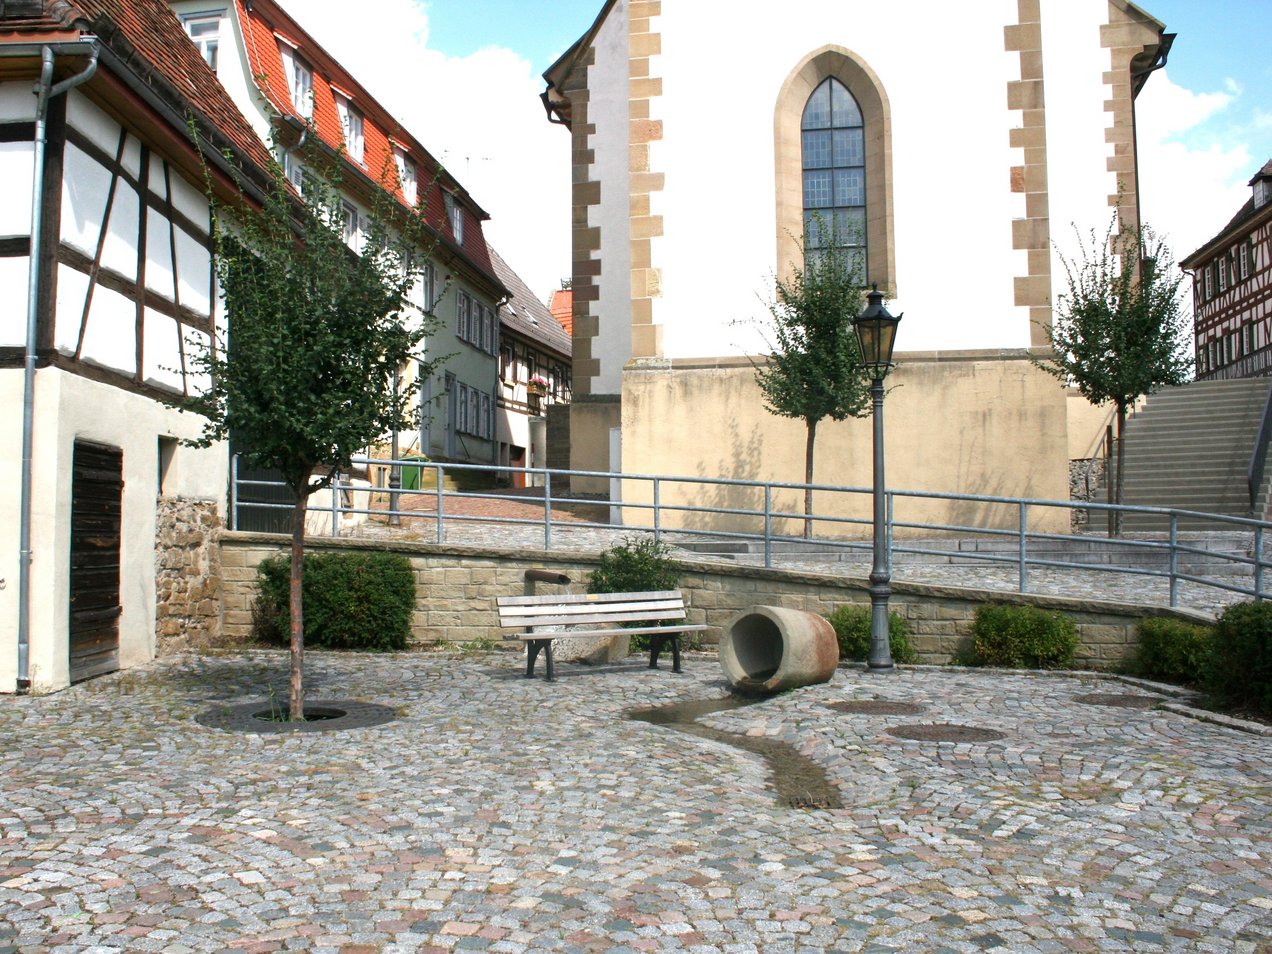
44 91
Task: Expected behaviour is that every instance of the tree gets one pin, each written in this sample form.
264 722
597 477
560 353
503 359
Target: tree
1120 330
814 371
316 333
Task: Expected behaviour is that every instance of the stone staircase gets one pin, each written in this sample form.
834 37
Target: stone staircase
1189 449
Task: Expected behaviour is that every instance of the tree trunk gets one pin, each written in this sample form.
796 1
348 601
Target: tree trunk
296 693
808 479
1115 516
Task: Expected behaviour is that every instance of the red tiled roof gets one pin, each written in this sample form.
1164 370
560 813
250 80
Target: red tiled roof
562 308
263 25
147 30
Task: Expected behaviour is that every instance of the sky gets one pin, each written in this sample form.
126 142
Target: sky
471 95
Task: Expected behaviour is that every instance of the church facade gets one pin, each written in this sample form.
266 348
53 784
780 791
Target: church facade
951 147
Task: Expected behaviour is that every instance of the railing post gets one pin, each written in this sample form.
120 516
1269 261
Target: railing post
1174 560
768 526
1258 563
335 504
234 520
657 511
441 494
1022 567
547 510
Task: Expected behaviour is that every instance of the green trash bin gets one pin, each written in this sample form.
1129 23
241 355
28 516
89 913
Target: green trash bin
411 475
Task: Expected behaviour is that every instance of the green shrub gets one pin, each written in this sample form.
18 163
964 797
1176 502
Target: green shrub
852 630
640 564
352 601
637 565
1173 651
1023 637
1240 672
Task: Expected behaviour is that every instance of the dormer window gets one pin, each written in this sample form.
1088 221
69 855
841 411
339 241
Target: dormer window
204 29
455 214
1262 192
351 126
406 175
300 80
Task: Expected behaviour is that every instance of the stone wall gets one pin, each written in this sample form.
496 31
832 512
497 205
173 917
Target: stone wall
188 610
457 586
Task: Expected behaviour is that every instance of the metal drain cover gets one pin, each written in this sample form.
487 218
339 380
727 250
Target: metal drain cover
1119 700
945 732
876 707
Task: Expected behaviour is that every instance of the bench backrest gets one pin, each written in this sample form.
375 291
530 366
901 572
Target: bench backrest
590 608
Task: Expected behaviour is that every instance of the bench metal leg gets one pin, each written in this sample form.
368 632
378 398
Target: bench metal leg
656 648
532 653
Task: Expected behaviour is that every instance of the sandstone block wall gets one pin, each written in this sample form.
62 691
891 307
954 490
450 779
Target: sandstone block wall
188 608
456 589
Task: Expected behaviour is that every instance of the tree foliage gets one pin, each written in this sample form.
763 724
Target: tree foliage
1120 330
316 333
814 371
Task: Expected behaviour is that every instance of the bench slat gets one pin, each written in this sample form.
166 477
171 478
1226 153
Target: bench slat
572 633
569 598
589 618
633 604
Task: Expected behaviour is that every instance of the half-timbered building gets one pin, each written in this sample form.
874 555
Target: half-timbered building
1232 291
293 92
106 283
534 373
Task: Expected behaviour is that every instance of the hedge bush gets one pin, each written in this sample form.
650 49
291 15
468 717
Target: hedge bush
1173 651
852 630
1023 637
358 601
1240 671
637 565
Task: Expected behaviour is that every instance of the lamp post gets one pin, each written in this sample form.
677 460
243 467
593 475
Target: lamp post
876 334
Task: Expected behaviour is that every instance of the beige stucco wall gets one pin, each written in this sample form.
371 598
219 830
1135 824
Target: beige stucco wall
1086 424
984 422
591 417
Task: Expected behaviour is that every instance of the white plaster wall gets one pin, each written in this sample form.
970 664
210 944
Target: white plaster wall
17 102
1077 177
67 408
608 110
945 72
85 185
10 472
88 118
14 278
16 165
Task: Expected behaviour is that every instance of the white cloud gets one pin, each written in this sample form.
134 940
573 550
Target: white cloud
479 114
1191 182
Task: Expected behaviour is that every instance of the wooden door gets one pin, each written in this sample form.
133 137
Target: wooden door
97 495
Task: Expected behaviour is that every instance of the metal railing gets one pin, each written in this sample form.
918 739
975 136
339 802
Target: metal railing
1004 531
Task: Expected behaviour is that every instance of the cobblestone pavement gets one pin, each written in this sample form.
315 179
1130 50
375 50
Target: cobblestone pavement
502 814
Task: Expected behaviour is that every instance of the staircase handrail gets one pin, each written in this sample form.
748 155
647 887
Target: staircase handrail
1258 459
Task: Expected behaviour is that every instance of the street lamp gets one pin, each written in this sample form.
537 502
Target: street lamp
876 334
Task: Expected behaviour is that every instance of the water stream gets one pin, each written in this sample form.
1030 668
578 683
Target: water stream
797 779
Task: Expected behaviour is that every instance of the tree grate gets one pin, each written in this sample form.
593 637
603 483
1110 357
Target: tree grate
945 732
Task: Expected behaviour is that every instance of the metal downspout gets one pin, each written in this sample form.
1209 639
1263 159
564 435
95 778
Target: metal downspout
44 91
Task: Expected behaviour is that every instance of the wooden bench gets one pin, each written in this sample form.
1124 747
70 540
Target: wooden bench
575 616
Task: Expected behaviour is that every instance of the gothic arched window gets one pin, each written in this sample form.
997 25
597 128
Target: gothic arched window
833 146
